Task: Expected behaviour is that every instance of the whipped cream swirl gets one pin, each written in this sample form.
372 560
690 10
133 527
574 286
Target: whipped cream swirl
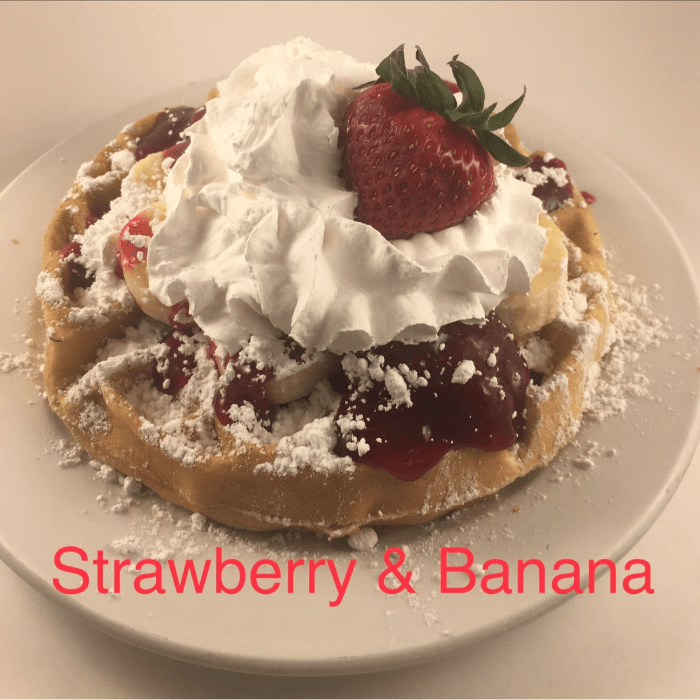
259 233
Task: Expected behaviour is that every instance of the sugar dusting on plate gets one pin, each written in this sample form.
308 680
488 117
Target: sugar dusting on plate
161 531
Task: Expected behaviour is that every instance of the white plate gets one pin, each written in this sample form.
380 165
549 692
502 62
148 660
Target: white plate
596 514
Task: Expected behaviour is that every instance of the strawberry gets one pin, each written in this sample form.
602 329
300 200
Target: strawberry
417 160
133 250
78 275
172 372
166 130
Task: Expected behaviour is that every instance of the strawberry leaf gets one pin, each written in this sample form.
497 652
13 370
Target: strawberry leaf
384 68
369 84
474 120
473 95
433 94
420 57
501 150
432 91
433 88
400 81
505 117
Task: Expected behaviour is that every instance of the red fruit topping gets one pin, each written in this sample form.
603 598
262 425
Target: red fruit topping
247 382
166 131
113 247
340 383
73 250
554 188
417 161
466 390
118 269
246 385
413 170
588 197
176 151
98 207
78 275
132 252
198 114
293 350
171 373
180 317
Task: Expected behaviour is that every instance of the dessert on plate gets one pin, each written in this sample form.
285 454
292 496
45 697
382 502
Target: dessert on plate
331 297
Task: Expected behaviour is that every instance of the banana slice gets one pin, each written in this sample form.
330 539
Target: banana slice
281 390
132 247
526 313
150 170
133 252
295 379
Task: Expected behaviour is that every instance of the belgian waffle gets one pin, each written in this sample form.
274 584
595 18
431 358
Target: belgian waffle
224 480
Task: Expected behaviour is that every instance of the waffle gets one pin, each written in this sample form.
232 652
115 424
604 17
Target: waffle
225 481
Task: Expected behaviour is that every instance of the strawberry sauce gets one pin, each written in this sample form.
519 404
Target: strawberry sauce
246 386
556 187
78 275
130 254
166 131
98 207
172 373
484 411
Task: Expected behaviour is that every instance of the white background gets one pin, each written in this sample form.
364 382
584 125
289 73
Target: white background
622 75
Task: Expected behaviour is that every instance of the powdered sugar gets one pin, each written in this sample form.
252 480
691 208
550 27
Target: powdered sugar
309 448
88 183
49 289
12 363
182 427
397 387
71 453
122 160
364 539
94 419
635 328
136 349
538 354
264 351
464 371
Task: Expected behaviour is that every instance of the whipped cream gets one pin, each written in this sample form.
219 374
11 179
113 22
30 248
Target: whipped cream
259 233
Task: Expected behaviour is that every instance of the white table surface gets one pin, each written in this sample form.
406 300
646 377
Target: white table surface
623 75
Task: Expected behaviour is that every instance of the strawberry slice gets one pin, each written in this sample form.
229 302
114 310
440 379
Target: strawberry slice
166 130
251 382
180 318
78 275
176 151
417 160
132 246
170 374
133 249
246 385
551 181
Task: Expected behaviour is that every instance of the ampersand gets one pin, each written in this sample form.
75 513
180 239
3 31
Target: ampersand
404 581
